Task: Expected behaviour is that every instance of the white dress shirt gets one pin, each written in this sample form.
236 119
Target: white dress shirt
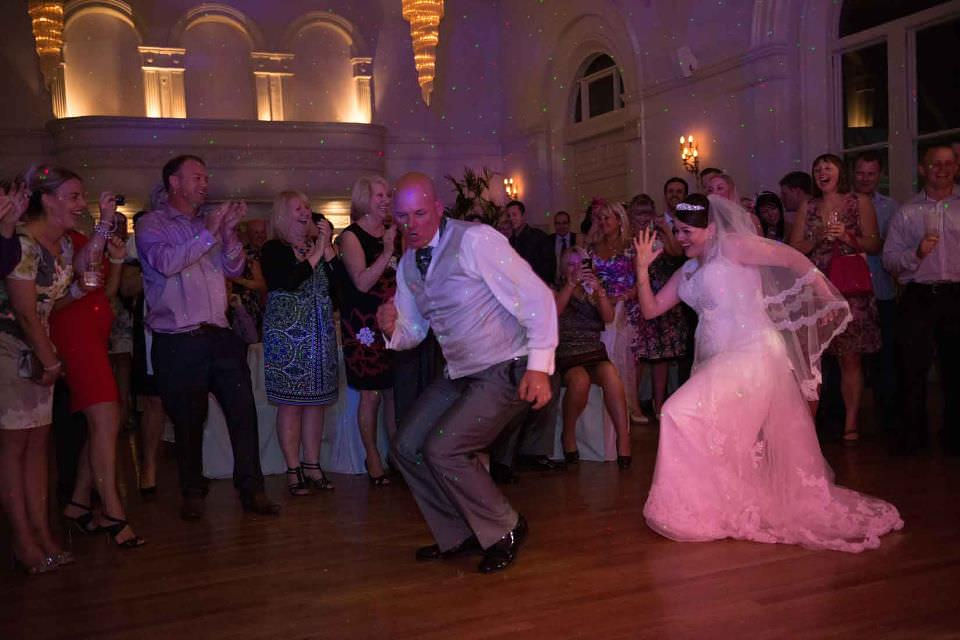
483 301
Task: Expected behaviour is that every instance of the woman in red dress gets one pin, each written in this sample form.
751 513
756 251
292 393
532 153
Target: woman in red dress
81 333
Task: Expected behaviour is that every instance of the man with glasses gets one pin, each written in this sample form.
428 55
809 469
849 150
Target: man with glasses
923 251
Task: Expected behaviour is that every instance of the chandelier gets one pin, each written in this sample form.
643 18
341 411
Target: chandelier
424 17
47 20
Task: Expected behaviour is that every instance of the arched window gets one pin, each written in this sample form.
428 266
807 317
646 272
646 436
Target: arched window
599 89
896 82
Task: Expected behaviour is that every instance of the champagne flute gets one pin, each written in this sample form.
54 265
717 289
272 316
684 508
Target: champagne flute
931 223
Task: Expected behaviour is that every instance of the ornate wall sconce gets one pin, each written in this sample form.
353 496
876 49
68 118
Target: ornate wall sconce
689 154
511 188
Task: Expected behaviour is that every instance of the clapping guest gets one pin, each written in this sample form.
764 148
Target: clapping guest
299 337
840 223
29 363
81 333
251 286
368 249
185 258
13 202
769 210
658 341
584 308
121 332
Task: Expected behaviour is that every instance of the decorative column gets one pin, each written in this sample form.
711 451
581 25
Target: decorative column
424 17
47 21
362 74
163 88
269 72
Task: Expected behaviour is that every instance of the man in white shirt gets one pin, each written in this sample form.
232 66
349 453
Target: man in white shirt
923 251
496 323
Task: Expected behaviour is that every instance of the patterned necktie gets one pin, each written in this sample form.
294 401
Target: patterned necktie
423 257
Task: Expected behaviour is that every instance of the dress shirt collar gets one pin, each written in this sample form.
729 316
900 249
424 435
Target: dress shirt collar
924 198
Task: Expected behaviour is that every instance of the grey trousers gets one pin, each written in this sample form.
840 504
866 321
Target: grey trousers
436 451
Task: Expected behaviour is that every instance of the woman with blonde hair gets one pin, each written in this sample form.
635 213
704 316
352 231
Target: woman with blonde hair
368 250
611 258
299 337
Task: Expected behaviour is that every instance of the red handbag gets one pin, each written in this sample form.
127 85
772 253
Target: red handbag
850 274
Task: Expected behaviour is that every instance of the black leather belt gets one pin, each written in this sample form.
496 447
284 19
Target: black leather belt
203 330
938 288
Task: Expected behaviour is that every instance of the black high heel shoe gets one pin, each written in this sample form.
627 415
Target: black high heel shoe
302 487
82 522
571 457
321 483
377 481
116 528
624 462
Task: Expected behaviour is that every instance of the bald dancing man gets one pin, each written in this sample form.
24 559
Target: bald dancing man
496 322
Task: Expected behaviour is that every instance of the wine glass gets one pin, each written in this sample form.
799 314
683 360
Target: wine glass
931 224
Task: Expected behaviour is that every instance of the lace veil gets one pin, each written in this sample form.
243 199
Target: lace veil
801 303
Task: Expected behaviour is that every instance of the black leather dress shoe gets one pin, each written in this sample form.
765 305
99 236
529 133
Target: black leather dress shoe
192 508
258 503
539 463
502 474
432 552
502 554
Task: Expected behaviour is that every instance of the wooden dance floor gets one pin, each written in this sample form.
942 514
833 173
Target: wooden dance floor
340 565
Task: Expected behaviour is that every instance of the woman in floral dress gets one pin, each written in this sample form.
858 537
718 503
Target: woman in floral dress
659 340
840 223
612 260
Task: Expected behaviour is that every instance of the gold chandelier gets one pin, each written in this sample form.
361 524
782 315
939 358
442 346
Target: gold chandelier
424 17
47 19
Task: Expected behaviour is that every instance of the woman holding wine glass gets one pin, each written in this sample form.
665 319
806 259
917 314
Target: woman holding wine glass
839 224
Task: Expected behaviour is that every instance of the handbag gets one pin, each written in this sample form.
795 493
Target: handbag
850 273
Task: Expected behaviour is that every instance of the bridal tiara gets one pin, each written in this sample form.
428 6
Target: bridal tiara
683 206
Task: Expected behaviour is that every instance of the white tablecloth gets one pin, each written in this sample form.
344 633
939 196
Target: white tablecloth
596 435
342 450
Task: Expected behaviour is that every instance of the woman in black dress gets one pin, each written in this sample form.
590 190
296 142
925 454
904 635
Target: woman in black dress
368 249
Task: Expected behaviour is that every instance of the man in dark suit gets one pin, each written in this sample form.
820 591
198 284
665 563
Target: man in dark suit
562 238
533 245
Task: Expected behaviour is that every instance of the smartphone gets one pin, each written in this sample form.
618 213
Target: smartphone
587 263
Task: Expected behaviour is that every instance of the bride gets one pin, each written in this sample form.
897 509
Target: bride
738 454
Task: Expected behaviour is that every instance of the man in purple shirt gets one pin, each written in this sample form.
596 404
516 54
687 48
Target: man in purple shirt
923 251
185 258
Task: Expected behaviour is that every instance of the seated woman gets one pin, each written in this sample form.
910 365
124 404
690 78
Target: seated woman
584 310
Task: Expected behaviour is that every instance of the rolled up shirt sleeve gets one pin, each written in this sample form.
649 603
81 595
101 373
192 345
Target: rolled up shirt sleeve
164 254
411 327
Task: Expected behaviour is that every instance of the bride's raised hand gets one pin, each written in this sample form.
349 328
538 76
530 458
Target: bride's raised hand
644 251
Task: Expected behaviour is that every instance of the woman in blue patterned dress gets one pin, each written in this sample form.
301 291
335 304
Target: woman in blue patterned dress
299 338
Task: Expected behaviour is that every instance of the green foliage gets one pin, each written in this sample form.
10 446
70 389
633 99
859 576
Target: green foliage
473 196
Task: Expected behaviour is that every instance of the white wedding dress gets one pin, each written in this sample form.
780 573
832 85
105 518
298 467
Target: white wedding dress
738 455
